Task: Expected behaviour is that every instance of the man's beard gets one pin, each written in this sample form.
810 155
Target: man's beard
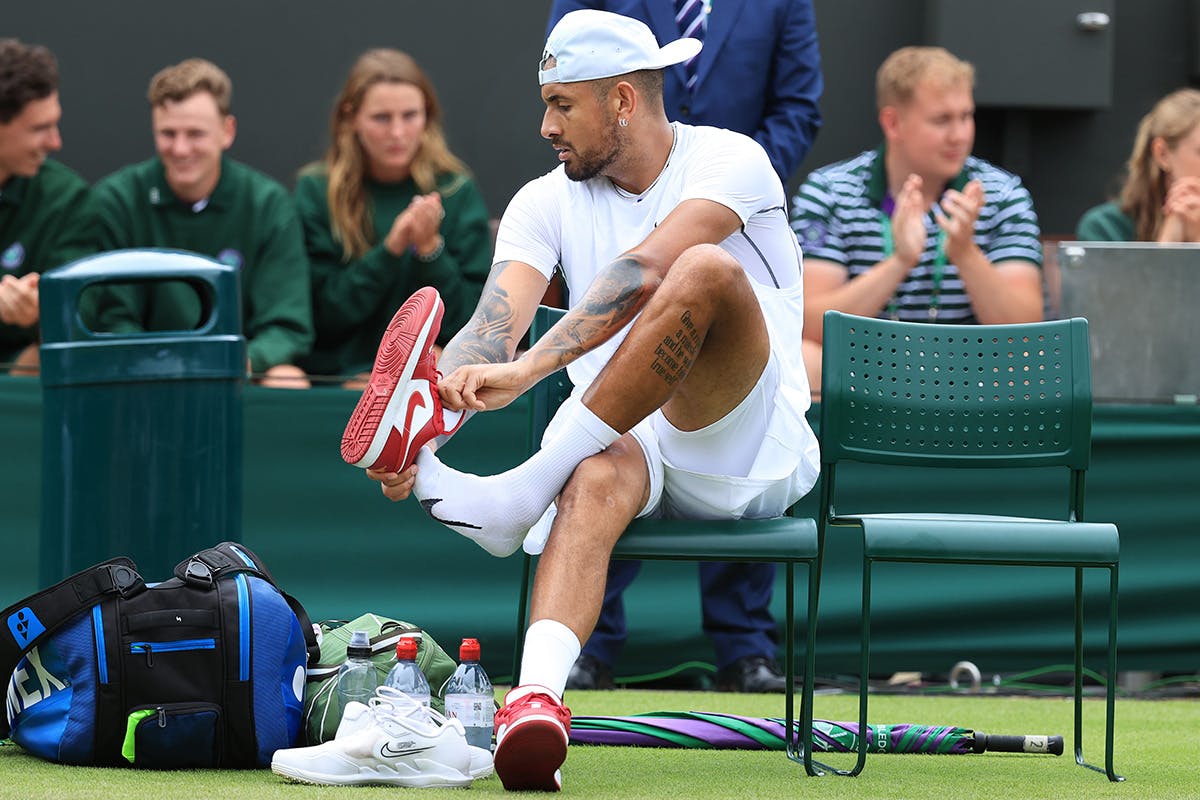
589 166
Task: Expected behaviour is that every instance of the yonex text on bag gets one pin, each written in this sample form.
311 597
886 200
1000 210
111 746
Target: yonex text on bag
205 669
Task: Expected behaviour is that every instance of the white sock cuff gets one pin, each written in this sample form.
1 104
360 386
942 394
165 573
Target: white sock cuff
595 427
550 651
560 633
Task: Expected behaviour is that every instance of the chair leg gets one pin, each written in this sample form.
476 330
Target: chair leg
1110 676
864 669
811 766
1111 700
522 619
1078 676
799 737
793 743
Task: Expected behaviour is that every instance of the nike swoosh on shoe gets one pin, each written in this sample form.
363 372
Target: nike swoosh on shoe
387 752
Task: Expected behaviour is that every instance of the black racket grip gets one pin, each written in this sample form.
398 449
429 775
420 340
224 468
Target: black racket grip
998 743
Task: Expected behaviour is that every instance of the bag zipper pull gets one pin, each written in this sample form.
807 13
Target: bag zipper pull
162 717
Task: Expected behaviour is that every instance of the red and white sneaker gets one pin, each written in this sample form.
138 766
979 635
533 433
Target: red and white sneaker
532 730
400 410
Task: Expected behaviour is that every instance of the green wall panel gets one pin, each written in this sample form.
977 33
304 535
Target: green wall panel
336 543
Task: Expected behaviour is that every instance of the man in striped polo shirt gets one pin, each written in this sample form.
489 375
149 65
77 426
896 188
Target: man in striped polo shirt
918 229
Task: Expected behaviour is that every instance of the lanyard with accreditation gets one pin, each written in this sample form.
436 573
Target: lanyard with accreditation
939 267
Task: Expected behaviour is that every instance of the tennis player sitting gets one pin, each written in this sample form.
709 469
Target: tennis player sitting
682 342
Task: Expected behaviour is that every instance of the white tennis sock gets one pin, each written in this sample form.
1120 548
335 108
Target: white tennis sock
550 651
497 511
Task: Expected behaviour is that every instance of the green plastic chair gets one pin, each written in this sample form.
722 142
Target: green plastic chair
953 396
784 540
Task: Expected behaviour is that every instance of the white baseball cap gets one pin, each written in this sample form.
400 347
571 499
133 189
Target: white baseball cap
587 44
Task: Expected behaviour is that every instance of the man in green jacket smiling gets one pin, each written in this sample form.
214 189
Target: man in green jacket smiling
191 196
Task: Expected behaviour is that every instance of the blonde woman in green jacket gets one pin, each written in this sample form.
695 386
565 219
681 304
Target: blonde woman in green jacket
1160 197
388 210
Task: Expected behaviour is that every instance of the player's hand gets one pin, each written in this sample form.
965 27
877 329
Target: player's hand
957 214
484 387
908 226
19 300
396 486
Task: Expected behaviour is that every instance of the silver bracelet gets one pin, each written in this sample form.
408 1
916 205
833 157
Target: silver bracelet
433 254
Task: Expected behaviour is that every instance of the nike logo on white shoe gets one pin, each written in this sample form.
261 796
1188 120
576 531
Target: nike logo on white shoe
407 749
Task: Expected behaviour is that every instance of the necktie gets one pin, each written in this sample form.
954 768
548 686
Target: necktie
692 20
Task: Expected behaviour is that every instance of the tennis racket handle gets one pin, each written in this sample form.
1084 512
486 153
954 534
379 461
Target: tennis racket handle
995 743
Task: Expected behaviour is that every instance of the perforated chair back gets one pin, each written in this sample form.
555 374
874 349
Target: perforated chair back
956 395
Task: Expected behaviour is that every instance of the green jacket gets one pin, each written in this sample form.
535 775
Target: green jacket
353 300
45 222
1106 223
249 222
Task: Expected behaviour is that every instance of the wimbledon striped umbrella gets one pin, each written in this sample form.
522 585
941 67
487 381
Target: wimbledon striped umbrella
701 729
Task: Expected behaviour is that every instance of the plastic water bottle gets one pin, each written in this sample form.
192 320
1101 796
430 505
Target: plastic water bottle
406 675
469 696
357 678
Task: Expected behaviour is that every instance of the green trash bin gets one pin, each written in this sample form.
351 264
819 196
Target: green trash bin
141 431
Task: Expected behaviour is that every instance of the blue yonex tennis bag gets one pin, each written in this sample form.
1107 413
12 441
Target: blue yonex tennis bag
205 669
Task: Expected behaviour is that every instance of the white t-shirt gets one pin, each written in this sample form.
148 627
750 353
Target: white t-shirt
586 225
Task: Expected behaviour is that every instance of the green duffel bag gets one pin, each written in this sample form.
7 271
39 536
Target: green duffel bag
322 711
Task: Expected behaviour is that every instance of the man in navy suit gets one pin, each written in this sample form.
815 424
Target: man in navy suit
759 73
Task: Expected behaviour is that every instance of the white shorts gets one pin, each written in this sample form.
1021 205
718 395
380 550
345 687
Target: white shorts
754 462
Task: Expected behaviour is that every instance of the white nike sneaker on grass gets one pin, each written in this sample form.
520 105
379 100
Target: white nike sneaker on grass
357 716
394 741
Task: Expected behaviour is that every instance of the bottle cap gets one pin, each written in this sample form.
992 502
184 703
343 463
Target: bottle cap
469 650
406 649
360 645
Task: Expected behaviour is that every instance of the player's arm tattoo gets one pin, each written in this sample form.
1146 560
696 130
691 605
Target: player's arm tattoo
614 298
488 337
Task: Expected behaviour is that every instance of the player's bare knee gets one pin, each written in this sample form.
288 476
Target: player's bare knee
590 483
707 268
597 485
703 257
